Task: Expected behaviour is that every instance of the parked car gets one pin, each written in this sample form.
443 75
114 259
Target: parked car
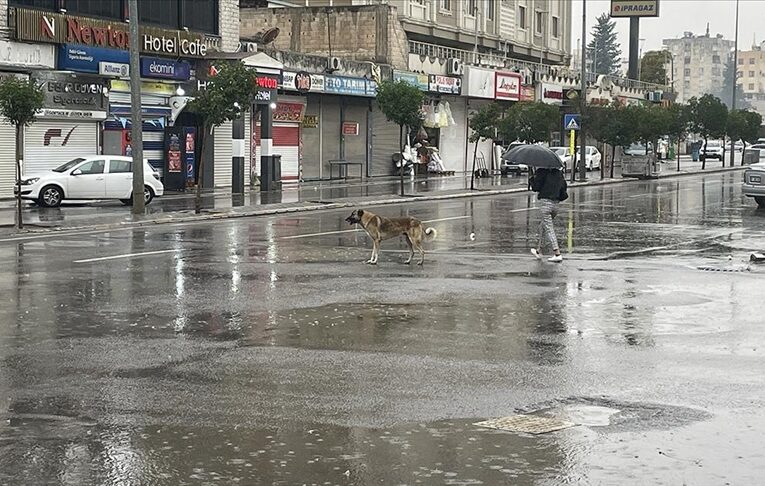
563 155
507 165
754 183
637 149
713 150
87 178
760 147
592 157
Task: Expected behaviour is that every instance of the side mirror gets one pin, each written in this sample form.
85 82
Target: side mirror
76 172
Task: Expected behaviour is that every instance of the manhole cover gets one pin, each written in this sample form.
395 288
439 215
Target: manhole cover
530 424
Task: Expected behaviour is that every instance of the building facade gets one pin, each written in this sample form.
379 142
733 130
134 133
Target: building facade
77 50
699 64
751 70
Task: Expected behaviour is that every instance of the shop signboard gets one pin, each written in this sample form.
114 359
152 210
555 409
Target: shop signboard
152 67
86 59
634 8
507 86
302 82
528 93
310 121
480 82
38 56
71 96
288 112
350 128
58 28
551 94
444 84
349 86
420 81
147 87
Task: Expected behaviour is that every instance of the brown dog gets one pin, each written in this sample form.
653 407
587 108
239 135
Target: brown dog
379 228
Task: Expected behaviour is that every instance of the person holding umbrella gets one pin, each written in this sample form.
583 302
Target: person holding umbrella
547 180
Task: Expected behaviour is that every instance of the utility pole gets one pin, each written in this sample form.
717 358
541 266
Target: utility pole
632 72
136 119
583 99
735 83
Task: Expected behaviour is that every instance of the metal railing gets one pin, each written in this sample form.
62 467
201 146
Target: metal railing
494 61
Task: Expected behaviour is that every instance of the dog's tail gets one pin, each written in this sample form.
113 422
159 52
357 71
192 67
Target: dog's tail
431 233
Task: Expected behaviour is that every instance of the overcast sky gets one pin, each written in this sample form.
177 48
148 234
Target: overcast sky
678 16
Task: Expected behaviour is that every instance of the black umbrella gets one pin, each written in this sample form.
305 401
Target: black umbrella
537 156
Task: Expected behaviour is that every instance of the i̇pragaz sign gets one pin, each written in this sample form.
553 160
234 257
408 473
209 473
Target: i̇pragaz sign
40 26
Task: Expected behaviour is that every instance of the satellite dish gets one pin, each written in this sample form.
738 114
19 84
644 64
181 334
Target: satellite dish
267 36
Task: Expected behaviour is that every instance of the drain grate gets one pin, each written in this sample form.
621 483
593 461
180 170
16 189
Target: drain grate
530 424
724 269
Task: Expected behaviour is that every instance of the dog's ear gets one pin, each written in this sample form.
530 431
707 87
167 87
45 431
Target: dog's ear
360 212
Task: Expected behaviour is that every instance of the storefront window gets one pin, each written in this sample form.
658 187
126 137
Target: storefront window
41 4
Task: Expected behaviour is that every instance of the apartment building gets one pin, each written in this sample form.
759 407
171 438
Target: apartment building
699 63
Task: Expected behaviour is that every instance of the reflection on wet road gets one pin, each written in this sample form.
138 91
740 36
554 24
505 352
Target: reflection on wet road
263 351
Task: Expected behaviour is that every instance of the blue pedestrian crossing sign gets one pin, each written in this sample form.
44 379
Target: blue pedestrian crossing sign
572 121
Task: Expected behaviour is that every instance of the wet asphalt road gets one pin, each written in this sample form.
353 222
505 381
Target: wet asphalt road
263 351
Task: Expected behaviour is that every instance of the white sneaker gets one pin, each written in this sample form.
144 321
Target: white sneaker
536 253
555 259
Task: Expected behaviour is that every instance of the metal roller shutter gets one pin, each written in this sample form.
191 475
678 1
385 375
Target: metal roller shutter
286 139
7 158
50 143
385 135
222 167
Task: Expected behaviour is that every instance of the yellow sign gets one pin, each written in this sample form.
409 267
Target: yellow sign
310 121
571 142
146 87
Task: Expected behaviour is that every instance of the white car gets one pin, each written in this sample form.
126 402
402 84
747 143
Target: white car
563 155
638 149
754 183
713 150
592 157
93 177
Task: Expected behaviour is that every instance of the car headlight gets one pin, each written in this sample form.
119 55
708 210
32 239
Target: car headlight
29 182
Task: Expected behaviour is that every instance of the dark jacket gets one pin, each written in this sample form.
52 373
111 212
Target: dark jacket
550 184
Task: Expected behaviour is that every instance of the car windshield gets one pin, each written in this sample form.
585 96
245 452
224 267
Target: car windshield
68 165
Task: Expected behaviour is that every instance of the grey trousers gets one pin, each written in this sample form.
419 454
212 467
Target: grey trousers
548 210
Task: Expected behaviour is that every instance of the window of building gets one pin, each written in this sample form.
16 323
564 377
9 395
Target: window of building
741 61
687 84
200 15
751 74
751 60
715 59
471 8
687 72
701 71
490 9
687 60
41 4
97 8
446 5
715 71
556 27
539 22
521 17
751 86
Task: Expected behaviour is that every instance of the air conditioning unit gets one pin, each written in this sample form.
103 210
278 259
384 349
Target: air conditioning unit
455 67
333 64
653 96
248 47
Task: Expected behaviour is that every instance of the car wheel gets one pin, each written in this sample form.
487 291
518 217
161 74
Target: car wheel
50 197
760 201
148 194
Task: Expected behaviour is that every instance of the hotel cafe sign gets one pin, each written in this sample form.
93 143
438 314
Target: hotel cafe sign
39 26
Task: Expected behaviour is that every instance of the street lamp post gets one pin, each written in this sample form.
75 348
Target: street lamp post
735 83
136 119
583 99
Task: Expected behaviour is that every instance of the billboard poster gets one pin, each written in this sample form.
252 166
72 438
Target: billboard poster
190 154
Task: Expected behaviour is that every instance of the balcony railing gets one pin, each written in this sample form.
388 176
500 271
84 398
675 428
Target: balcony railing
494 61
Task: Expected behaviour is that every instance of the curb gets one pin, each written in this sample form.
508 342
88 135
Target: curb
338 205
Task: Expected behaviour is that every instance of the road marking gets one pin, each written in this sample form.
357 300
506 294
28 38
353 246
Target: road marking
126 255
311 235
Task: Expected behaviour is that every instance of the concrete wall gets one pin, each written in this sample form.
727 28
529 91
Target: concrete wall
365 33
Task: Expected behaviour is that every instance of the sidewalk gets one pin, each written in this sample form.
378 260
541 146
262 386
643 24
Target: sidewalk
308 196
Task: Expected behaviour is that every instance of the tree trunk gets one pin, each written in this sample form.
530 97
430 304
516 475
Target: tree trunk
472 172
403 161
703 156
602 163
206 131
743 156
733 153
613 159
678 155
19 157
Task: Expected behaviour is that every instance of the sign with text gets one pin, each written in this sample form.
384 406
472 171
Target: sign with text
420 81
86 59
349 86
350 128
73 93
302 82
507 86
56 28
551 94
444 84
116 69
528 93
27 55
288 112
634 8
152 67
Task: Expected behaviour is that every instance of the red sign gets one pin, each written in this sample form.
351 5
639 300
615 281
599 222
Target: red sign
288 112
350 128
266 82
508 86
